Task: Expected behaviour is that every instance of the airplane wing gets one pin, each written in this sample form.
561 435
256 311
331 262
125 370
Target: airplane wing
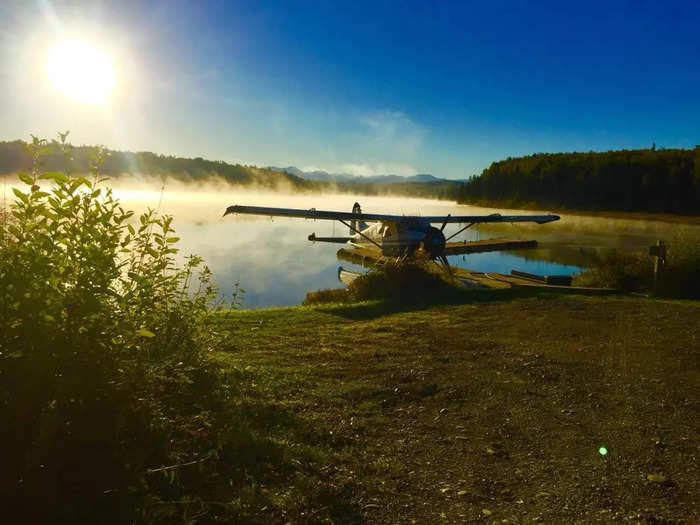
494 217
313 213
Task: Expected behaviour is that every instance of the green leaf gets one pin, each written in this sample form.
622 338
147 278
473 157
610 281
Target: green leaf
56 176
145 333
26 178
14 230
20 195
172 239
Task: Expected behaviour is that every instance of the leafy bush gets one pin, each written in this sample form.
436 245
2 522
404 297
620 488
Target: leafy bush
107 391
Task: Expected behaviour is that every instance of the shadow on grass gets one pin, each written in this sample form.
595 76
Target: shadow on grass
271 463
372 310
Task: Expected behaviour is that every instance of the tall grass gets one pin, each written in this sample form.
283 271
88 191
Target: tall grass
634 272
402 283
681 276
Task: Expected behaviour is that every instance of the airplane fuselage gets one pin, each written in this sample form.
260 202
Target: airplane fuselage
398 238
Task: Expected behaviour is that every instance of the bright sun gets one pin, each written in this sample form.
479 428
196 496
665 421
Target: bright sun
81 71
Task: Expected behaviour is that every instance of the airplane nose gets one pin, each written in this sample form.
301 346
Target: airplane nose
435 242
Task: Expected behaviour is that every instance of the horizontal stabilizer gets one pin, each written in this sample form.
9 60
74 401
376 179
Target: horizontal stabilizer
339 240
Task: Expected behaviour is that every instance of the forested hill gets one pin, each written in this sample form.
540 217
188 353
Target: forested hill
13 159
648 180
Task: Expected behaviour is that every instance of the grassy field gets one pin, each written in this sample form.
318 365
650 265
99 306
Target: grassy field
489 412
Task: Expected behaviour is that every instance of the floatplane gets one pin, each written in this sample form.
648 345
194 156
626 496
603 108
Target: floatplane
400 236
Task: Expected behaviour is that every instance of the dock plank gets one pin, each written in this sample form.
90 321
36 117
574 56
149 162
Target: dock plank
487 245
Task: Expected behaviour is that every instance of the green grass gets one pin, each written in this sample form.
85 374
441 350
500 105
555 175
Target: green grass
501 404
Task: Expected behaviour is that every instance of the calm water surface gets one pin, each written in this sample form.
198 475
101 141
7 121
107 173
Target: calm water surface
276 264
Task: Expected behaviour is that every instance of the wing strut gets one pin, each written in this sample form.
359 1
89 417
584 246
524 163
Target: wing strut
460 231
358 232
445 223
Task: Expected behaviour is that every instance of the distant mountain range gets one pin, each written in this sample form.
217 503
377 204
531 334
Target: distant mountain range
324 176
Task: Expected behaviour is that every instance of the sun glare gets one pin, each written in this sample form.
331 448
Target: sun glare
81 71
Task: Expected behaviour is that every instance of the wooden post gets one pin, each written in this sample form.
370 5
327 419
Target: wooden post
658 252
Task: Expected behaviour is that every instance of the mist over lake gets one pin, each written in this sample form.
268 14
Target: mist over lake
276 264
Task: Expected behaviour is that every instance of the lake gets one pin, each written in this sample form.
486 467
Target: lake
276 264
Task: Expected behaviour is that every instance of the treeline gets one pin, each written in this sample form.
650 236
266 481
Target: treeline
443 189
648 180
14 158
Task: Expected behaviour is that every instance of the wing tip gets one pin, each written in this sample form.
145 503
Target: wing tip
549 218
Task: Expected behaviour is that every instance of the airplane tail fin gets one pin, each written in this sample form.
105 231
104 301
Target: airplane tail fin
357 224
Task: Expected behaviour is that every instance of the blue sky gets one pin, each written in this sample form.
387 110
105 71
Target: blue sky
364 87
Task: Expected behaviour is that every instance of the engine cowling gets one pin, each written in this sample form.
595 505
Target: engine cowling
434 242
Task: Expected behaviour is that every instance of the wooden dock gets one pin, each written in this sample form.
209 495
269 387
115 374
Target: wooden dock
495 281
369 257
487 245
